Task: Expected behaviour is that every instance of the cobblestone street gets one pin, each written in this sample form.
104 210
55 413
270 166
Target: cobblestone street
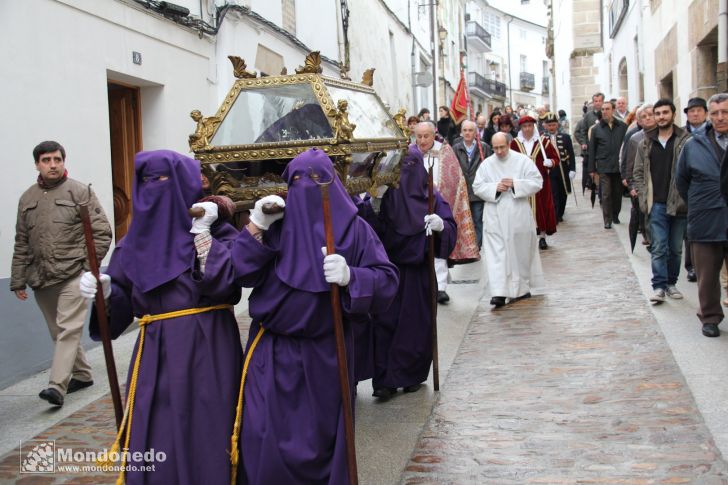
577 386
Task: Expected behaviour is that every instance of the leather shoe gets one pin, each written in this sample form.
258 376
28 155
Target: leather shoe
442 297
384 392
542 243
76 385
692 277
607 225
412 388
498 301
523 297
711 330
615 220
52 396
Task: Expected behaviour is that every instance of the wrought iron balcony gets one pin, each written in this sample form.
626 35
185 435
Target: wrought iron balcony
528 81
478 37
486 87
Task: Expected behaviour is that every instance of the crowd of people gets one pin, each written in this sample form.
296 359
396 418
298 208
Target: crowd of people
269 413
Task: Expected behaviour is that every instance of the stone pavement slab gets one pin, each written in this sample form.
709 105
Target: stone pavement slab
576 386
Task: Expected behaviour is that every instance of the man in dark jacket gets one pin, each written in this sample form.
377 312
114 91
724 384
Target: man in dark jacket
604 146
654 182
470 152
50 255
698 181
646 121
697 113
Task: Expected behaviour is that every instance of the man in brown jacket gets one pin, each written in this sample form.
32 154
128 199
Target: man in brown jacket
50 255
666 211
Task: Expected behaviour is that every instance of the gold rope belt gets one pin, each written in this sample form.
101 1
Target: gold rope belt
125 428
239 410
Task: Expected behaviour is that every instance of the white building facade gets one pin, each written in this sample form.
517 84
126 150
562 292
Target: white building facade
515 70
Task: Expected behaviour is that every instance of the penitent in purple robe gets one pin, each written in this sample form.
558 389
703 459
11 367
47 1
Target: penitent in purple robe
190 369
293 425
403 334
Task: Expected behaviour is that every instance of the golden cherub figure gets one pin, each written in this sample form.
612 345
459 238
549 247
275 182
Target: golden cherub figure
343 129
200 139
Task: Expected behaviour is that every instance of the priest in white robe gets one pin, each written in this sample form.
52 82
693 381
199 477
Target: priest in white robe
505 180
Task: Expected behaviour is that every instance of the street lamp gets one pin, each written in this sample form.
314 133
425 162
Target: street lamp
493 65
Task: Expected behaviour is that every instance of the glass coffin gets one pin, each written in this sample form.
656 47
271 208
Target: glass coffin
264 122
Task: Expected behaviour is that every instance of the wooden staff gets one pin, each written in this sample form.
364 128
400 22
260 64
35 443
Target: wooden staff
340 347
100 304
433 277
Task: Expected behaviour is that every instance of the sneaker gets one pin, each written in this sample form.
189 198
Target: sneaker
658 296
673 293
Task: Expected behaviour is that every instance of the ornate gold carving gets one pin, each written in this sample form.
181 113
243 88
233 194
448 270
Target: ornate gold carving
368 77
312 64
401 119
200 139
239 68
343 128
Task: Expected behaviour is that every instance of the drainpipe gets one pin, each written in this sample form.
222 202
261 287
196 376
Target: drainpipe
723 40
510 67
413 58
433 24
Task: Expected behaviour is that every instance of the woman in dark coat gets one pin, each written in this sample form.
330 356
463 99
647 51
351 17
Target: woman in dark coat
446 127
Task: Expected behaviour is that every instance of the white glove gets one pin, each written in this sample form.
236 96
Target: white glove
572 175
88 285
548 163
261 220
335 269
202 224
433 222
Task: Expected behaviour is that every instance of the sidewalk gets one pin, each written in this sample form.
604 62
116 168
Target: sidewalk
580 385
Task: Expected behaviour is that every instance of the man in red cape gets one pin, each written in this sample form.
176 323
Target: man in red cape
527 142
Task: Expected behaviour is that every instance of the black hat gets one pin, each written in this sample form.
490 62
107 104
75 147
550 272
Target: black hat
550 117
696 103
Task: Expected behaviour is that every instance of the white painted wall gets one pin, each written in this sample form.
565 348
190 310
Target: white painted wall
563 17
622 47
58 72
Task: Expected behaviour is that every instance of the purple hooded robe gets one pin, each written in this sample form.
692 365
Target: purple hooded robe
190 370
293 425
403 334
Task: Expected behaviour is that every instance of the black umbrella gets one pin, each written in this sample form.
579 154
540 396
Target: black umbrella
634 224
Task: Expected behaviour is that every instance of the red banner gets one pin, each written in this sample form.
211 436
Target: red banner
459 106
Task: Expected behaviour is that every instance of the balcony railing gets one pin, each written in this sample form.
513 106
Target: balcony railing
478 35
545 85
528 81
487 87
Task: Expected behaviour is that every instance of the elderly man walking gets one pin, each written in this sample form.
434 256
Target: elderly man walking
471 152
698 181
505 181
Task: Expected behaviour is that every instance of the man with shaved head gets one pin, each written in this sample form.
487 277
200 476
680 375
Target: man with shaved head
471 151
506 181
450 182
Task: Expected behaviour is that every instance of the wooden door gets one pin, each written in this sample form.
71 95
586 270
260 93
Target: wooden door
126 141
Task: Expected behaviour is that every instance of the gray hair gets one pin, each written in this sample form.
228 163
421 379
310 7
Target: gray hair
429 124
468 122
718 98
642 108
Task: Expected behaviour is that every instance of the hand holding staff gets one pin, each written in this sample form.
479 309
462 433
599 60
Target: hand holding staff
101 308
433 278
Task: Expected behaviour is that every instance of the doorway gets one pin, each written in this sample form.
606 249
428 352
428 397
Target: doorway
126 140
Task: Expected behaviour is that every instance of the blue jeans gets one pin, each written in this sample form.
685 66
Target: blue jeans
667 234
476 209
